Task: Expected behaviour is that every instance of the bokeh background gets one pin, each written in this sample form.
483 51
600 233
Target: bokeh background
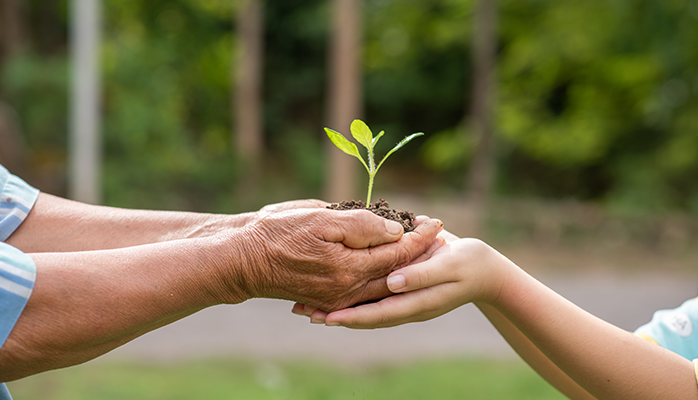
563 132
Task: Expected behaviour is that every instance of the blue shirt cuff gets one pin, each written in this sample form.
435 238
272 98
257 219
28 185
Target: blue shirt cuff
17 277
16 200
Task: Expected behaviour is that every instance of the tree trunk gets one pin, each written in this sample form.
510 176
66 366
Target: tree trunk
11 31
12 40
345 96
84 147
481 173
248 82
248 139
12 145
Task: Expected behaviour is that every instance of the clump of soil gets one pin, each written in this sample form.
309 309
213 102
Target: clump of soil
379 207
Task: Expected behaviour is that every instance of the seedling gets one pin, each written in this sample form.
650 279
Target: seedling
363 135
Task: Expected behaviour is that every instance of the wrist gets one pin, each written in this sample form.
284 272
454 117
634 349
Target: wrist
220 224
234 259
497 274
510 279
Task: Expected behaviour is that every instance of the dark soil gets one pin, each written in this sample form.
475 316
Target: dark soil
379 207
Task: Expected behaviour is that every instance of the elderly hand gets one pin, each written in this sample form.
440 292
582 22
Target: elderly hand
449 274
325 258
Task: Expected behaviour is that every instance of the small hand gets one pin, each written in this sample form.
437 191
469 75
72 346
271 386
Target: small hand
452 275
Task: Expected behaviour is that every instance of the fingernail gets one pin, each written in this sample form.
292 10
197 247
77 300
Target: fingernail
332 324
393 228
316 321
396 282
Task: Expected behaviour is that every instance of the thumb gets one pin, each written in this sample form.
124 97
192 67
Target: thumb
421 274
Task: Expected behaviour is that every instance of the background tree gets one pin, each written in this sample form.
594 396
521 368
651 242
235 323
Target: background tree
248 127
596 100
345 94
85 151
248 82
482 166
12 152
11 29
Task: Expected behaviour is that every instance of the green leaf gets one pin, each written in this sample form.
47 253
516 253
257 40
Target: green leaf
345 145
375 139
362 133
398 146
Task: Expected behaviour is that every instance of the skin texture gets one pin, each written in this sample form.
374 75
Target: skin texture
57 225
581 355
117 274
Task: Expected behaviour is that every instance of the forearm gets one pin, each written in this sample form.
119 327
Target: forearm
85 304
60 225
606 361
532 355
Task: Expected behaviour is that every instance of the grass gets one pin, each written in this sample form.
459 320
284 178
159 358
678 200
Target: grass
250 380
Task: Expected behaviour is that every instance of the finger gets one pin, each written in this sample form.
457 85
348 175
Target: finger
303 309
419 219
375 289
359 229
411 246
368 316
428 273
298 309
318 317
395 310
438 243
448 236
308 309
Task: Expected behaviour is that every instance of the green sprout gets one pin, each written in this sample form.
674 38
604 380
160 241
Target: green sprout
363 135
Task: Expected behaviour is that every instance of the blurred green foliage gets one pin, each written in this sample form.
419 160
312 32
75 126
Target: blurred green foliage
596 100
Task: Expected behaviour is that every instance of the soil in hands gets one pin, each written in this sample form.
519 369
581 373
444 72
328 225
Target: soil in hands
379 207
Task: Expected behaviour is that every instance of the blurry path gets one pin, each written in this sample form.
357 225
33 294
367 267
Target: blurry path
267 329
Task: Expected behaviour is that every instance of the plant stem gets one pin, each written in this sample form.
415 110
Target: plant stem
370 189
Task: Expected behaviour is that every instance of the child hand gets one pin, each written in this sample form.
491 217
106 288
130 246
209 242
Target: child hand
453 274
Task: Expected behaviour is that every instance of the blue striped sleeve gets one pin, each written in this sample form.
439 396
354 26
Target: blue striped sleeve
16 200
4 393
17 270
17 276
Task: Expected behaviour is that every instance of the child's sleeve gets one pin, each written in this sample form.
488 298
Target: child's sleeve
675 329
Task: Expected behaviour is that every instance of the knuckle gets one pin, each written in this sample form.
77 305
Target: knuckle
478 248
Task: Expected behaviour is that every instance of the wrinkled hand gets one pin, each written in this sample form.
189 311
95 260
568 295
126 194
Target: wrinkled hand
449 274
318 316
325 258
